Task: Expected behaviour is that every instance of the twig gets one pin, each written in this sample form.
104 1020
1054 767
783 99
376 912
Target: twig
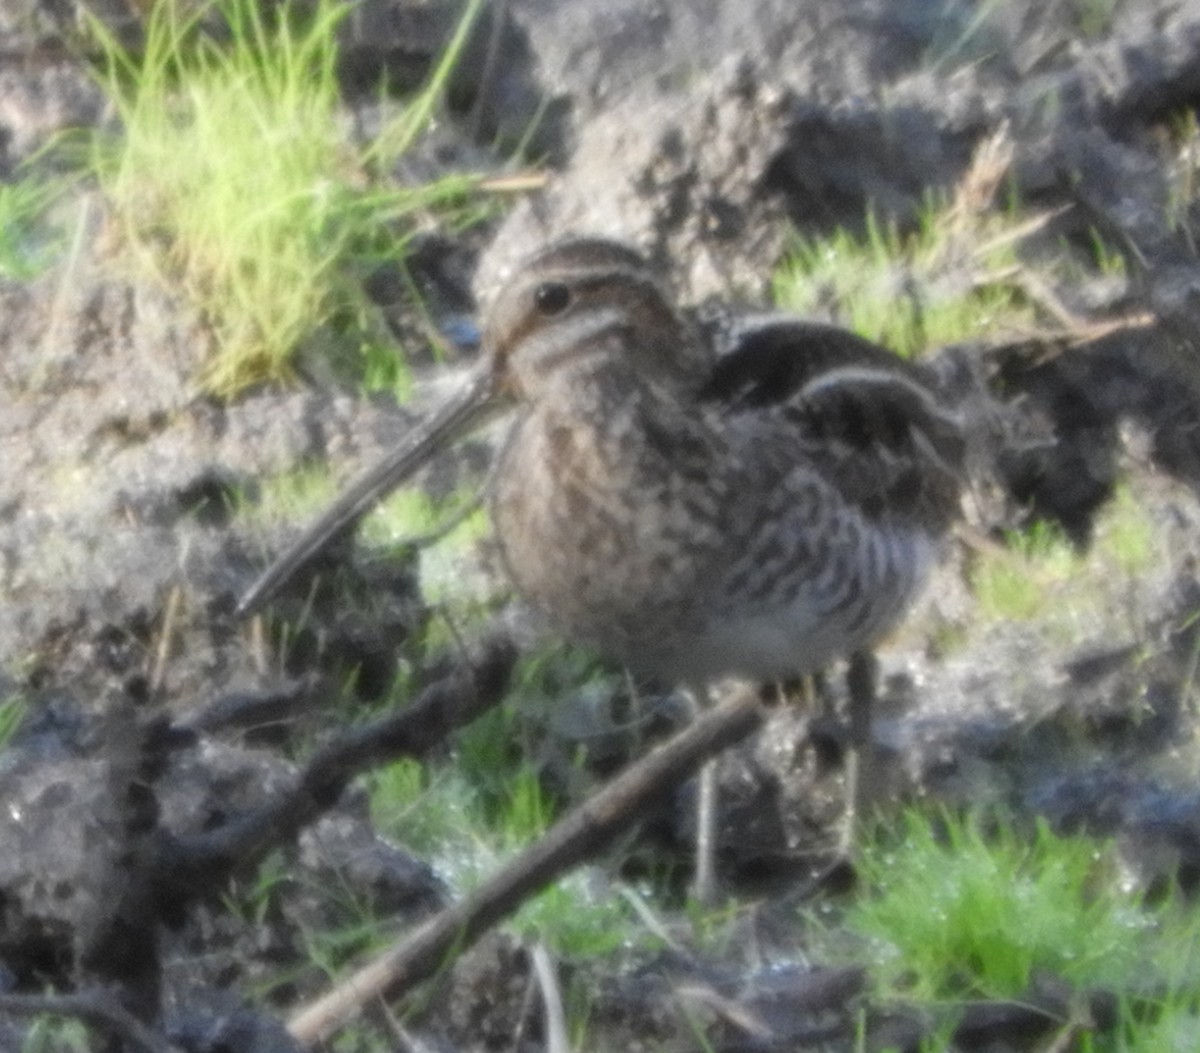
578 835
166 633
517 183
1019 231
258 645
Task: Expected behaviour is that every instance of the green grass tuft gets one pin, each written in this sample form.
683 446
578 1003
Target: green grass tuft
13 711
961 914
48 1034
486 803
29 241
466 834
906 291
1183 169
1019 583
1125 534
290 497
580 917
1107 260
1042 577
453 527
234 177
1095 17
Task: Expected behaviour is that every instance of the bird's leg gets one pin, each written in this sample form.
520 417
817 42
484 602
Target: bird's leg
705 883
704 880
861 770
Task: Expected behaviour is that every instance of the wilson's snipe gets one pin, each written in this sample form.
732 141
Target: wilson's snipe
695 511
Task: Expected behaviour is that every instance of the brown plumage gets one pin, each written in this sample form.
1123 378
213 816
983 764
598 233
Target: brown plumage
696 515
694 511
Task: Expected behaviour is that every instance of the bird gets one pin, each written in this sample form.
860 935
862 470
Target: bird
738 495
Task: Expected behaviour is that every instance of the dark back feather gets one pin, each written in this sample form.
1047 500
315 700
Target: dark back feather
870 421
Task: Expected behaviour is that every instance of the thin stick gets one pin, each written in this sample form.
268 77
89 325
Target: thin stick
577 836
162 652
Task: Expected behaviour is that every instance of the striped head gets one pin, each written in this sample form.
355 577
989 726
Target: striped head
579 305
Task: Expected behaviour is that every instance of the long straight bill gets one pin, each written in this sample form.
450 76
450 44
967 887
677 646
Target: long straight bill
465 409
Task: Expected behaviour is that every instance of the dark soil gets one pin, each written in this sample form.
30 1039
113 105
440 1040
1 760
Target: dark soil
166 768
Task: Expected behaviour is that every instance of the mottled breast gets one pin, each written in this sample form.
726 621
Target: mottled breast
607 515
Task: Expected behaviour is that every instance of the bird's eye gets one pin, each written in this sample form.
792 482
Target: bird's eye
552 297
